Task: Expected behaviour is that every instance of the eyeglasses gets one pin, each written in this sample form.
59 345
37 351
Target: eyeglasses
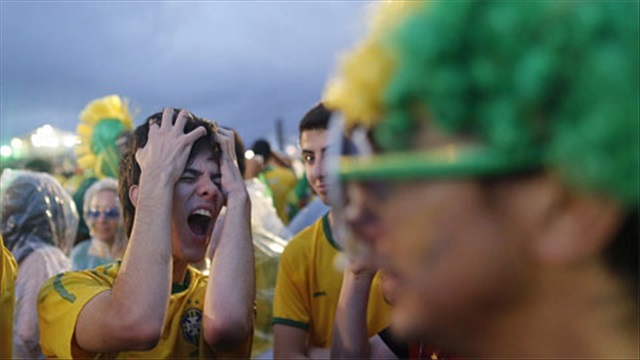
109 214
352 158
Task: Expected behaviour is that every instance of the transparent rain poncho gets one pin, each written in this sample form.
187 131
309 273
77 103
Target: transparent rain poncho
39 222
36 211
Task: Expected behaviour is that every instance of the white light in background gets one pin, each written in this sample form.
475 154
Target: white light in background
5 151
44 137
292 151
16 143
46 129
70 140
249 154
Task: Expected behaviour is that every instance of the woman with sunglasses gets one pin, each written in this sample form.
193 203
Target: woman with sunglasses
103 216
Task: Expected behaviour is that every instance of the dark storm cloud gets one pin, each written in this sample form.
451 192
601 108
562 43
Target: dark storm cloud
243 63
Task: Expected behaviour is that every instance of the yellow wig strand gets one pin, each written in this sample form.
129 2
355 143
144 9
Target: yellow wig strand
365 71
98 152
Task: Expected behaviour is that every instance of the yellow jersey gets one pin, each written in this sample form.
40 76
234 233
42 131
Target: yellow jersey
63 296
309 283
8 273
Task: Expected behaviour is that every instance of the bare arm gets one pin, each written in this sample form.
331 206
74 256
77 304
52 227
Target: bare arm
130 316
292 344
350 338
228 311
350 335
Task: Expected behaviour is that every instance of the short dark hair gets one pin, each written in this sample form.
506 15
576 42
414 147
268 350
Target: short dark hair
261 147
130 169
315 119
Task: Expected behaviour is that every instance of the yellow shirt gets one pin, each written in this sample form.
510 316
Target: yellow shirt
63 296
281 181
308 287
8 272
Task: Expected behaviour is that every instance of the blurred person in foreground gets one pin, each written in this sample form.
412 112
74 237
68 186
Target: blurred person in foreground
501 184
178 173
308 284
103 215
39 222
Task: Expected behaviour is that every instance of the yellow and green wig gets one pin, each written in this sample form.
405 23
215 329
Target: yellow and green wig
536 84
102 122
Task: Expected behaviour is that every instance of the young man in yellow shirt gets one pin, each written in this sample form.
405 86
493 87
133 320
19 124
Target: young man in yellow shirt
309 282
176 176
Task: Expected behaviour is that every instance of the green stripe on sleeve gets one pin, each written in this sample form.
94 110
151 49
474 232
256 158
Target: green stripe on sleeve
298 324
60 289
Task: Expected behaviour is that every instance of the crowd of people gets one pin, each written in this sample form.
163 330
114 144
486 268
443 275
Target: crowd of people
470 190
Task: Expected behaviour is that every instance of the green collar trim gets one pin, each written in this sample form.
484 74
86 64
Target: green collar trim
328 233
263 178
180 287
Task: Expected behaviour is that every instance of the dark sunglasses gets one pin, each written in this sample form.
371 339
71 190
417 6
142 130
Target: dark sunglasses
110 214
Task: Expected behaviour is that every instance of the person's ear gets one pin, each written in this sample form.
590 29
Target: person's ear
133 194
577 226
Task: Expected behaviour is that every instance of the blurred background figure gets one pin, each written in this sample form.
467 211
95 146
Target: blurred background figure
103 215
264 215
105 126
39 222
277 174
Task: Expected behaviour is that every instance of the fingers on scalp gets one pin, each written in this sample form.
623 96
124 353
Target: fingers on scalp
227 135
167 114
226 140
181 120
195 134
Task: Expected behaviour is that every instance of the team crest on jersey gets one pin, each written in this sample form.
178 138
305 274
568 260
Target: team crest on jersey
190 325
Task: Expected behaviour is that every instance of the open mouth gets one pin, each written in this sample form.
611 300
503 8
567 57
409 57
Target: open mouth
199 222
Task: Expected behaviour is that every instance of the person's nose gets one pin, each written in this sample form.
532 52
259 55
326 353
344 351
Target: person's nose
102 216
207 188
319 168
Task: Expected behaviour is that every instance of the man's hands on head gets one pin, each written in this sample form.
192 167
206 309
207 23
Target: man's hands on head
165 155
232 181
131 315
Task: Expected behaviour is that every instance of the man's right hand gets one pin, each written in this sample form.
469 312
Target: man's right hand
165 155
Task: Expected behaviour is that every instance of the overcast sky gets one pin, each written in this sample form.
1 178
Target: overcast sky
243 63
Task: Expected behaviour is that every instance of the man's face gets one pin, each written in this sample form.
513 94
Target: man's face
197 201
313 144
446 240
